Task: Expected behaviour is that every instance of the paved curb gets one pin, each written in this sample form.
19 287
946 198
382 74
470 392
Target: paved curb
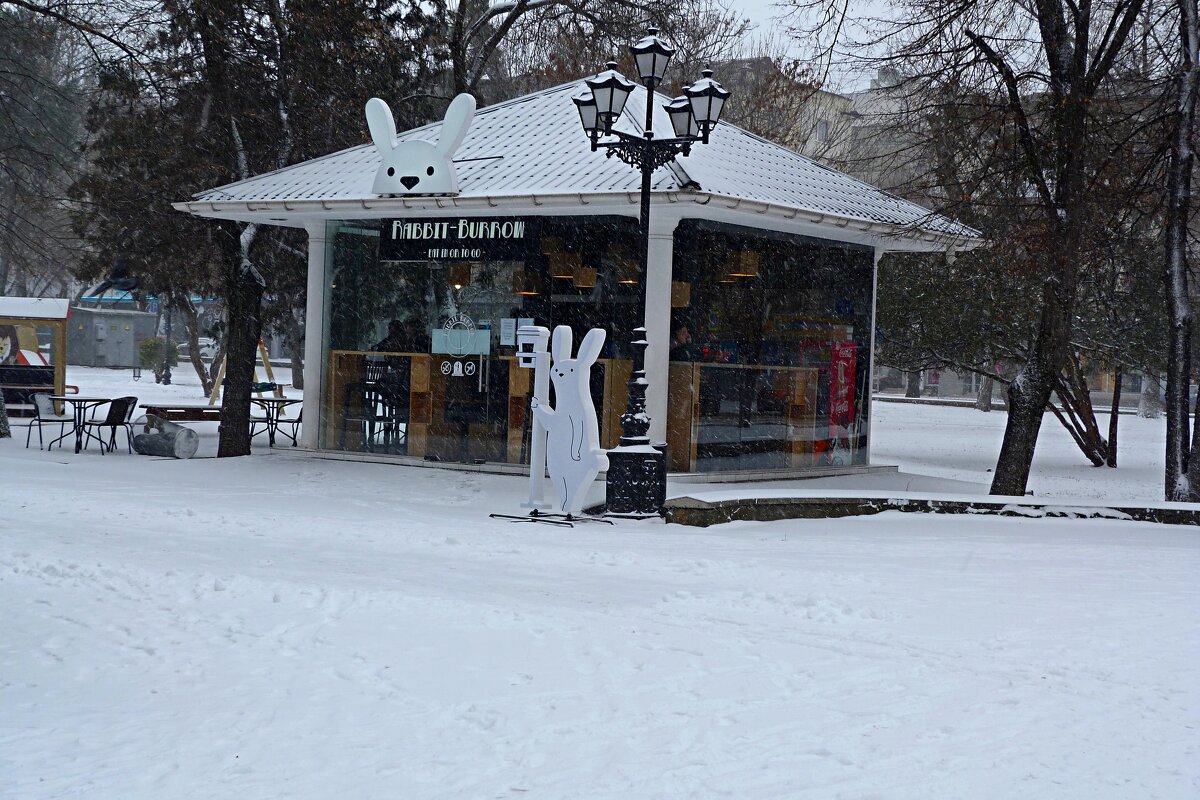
960 402
702 513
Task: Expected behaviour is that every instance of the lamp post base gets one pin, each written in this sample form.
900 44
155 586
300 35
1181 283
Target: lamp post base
636 483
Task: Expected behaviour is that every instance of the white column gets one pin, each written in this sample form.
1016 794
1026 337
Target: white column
871 355
314 334
658 318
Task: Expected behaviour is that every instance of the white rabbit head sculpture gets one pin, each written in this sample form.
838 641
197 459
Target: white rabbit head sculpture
573 454
415 166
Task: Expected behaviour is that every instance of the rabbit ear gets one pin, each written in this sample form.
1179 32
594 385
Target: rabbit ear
560 345
381 125
454 127
589 349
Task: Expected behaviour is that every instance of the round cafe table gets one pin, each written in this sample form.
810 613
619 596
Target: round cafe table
80 405
273 409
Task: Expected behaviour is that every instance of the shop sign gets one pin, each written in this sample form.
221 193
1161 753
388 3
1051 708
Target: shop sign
454 239
459 337
841 383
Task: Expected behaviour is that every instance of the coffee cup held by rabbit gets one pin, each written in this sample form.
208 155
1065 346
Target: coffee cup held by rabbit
415 166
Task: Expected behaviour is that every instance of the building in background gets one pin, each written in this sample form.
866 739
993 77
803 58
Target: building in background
108 337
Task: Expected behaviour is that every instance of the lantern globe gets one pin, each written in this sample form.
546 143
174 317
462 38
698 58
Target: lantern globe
610 89
707 98
652 53
679 111
589 115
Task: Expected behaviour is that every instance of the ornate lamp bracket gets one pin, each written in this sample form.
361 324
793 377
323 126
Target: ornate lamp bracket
636 152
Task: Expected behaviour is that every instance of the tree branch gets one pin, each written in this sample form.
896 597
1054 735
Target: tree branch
1023 129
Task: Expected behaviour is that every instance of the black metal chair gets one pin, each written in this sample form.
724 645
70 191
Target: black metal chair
378 406
374 369
362 409
394 387
295 426
258 416
120 415
44 408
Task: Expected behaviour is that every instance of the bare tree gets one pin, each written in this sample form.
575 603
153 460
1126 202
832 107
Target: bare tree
479 33
1182 479
553 43
43 81
1042 66
50 53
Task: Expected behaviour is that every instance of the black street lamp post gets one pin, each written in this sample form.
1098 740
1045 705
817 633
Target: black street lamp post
637 471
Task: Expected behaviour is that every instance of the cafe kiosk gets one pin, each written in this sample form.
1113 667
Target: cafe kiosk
430 250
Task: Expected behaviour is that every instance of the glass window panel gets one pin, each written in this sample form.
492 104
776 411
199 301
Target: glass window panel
777 330
437 328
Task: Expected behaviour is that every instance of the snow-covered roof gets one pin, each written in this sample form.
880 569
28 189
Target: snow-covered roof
35 307
534 146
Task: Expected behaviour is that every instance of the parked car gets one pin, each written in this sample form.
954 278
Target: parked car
207 347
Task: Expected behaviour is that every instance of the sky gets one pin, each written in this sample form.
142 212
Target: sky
767 18
761 12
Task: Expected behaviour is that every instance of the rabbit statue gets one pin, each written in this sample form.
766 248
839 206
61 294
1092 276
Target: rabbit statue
573 454
415 166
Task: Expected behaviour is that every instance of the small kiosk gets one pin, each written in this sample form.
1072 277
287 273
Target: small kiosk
759 303
33 348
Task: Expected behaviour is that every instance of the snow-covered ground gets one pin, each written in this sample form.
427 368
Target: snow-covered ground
281 626
962 444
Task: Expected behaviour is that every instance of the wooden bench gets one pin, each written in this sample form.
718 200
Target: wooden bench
20 382
184 412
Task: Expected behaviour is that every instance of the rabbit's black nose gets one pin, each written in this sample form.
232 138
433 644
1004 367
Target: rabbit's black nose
410 181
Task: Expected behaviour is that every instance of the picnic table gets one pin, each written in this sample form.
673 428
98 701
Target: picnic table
184 412
273 413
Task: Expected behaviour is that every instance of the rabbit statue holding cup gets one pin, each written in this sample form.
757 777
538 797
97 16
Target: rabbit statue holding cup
573 454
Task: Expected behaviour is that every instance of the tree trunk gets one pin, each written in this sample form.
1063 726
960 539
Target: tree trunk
296 358
1080 417
192 325
6 241
1028 395
1150 401
5 430
983 401
243 327
1193 458
1176 484
913 389
1114 415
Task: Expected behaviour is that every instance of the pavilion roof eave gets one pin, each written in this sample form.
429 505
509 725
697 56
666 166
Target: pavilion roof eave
886 236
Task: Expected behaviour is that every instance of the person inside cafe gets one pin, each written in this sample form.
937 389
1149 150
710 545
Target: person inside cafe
394 341
414 337
682 348
403 337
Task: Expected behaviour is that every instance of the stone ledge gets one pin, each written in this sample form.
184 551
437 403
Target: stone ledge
702 513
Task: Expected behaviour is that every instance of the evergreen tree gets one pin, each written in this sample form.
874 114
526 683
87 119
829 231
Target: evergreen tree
5 430
237 92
